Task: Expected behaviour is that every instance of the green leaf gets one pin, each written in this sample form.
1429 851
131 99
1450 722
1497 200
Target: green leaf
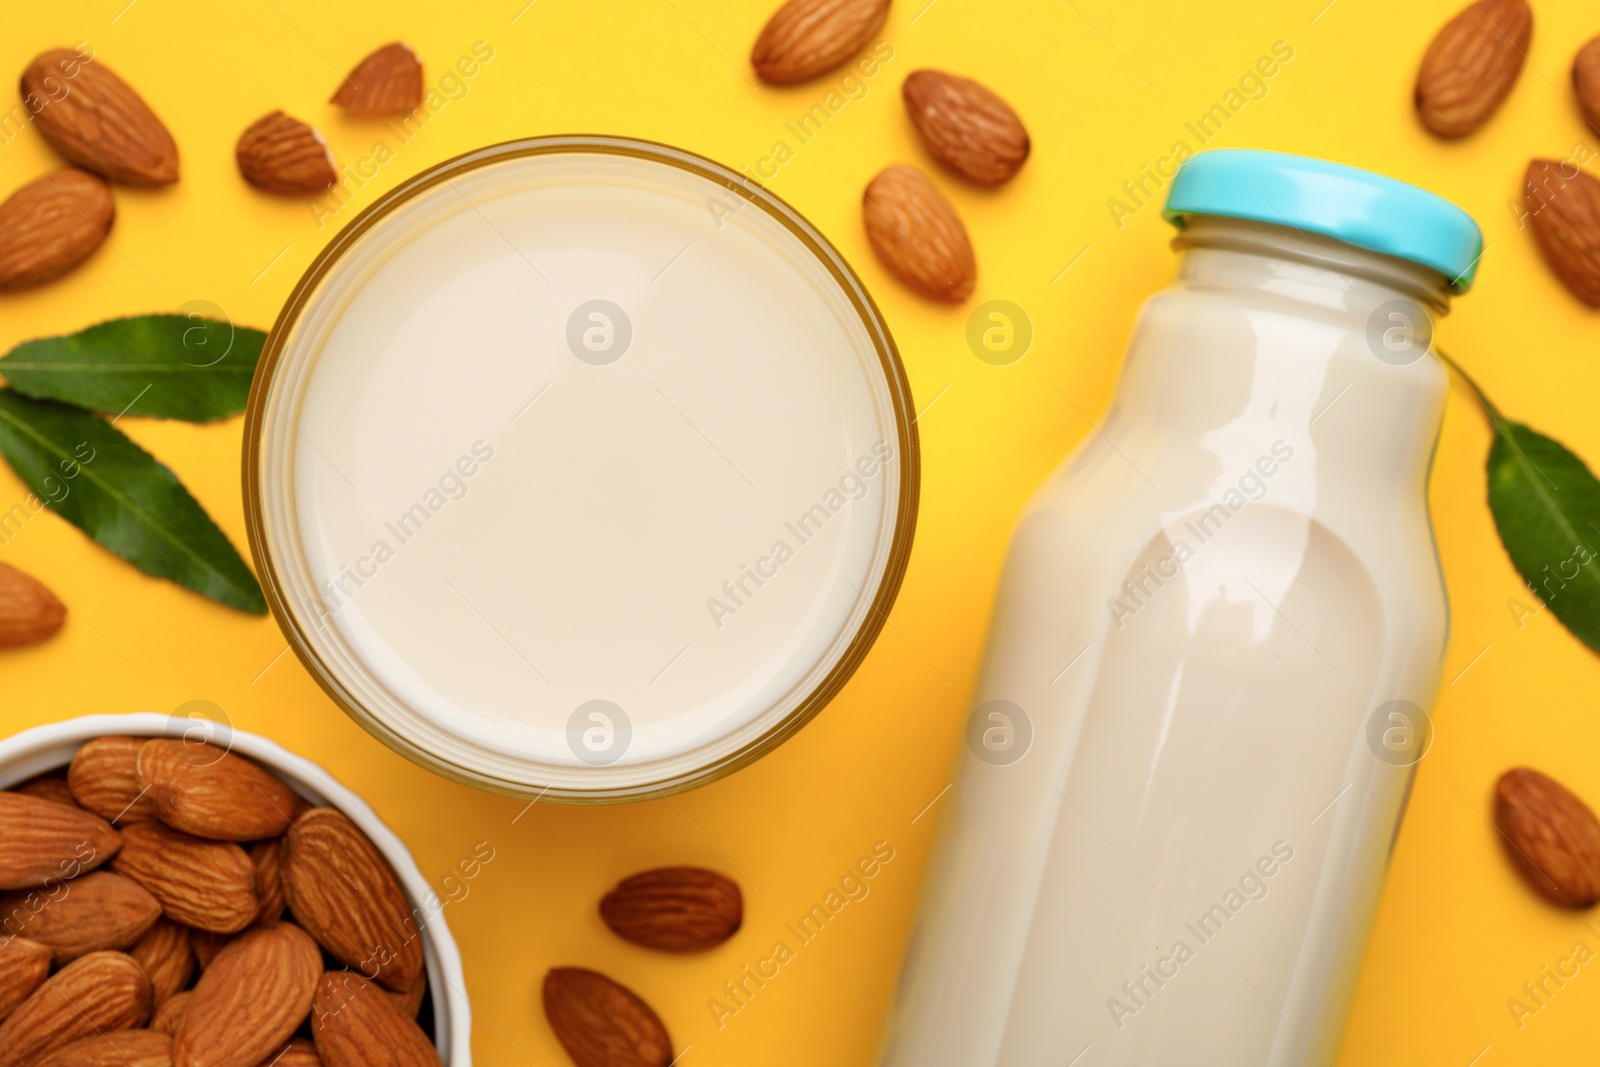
92 475
170 366
1546 507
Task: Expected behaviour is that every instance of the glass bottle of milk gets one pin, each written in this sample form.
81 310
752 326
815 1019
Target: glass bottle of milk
1219 627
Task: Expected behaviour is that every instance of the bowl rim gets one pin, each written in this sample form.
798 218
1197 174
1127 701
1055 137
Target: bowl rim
35 751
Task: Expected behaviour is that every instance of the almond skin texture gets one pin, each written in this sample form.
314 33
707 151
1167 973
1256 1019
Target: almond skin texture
355 1025
342 891
409 1002
166 956
805 38
251 999
1472 64
674 909
282 155
1586 82
965 126
104 778
1554 838
388 82
918 236
268 859
96 121
47 227
39 241
102 991
44 843
116 1048
90 914
209 885
297 1053
48 787
1563 205
206 945
209 792
169 1016
601 1024
24 965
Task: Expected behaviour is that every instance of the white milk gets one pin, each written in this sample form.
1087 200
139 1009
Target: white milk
1201 626
586 473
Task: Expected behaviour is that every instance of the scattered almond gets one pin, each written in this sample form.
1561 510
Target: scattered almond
342 891
47 227
250 1000
48 787
966 126
1472 64
24 965
1553 836
169 1016
99 911
44 843
388 82
118 1048
355 1025
674 909
209 885
918 236
99 123
1563 205
100 991
38 241
166 956
804 38
209 792
602 1024
104 778
283 155
1586 82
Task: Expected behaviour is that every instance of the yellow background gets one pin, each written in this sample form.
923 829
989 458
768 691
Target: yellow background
1104 87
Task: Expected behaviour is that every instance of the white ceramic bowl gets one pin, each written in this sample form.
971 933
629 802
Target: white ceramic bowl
47 748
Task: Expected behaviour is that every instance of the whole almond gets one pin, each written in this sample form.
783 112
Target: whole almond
342 891
297 1053
1586 82
167 957
99 911
24 965
98 992
209 885
1563 205
388 82
169 1016
410 1002
674 909
47 227
267 856
38 241
918 236
966 126
43 843
804 38
206 945
116 1048
355 1025
1553 836
1472 64
208 791
104 778
48 787
602 1024
96 121
251 999
280 154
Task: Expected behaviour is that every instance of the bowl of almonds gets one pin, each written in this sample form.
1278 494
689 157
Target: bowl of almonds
175 893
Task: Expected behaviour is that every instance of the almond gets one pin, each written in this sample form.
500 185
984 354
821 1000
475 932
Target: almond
267 856
117 1048
410 1002
674 909
804 38
100 991
91 117
342 891
388 82
169 1016
1472 64
206 945
48 787
47 227
166 956
1564 213
965 126
601 1024
209 885
297 1053
283 155
918 236
207 791
90 914
251 999
1553 836
355 1025
44 843
23 965
1586 82
104 778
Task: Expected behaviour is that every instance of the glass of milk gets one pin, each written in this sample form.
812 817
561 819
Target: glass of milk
1220 627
